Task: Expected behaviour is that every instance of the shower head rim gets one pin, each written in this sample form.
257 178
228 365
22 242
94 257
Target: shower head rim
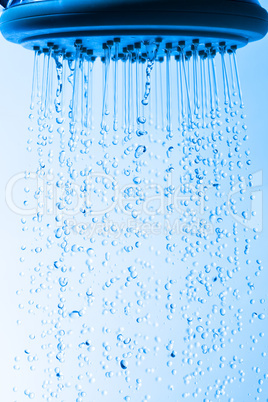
244 22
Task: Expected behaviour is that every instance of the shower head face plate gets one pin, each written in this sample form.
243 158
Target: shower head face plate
96 21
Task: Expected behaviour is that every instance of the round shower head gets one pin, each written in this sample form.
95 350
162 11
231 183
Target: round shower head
32 23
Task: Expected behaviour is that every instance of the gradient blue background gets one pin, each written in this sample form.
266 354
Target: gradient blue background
15 87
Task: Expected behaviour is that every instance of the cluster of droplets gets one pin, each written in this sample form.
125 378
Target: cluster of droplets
138 257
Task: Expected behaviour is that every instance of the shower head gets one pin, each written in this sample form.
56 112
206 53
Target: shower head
35 23
189 33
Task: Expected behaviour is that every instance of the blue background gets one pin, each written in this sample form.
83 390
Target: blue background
15 87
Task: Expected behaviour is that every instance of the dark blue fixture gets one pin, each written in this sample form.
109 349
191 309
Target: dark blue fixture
38 22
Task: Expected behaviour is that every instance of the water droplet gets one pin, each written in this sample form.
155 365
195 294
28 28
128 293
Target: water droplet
124 364
141 149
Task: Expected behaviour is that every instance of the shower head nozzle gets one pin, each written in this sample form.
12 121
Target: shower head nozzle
32 23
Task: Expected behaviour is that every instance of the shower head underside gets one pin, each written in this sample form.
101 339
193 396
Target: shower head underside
37 23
